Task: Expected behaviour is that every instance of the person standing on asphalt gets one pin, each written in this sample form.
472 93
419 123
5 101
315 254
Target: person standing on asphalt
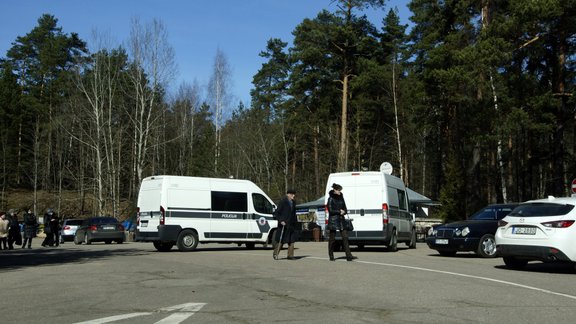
287 221
14 235
4 226
30 228
51 228
336 211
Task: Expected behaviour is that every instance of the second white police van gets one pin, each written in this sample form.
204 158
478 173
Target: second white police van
377 203
185 211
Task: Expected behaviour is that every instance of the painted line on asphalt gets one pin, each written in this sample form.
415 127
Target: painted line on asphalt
113 318
184 311
546 291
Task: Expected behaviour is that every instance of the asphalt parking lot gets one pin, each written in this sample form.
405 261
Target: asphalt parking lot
133 283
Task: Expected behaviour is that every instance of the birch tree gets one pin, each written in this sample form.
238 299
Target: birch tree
153 67
220 97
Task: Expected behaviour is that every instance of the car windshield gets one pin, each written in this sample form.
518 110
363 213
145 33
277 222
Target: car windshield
492 212
541 210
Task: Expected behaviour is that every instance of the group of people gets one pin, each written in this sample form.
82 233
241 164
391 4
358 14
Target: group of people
16 233
285 214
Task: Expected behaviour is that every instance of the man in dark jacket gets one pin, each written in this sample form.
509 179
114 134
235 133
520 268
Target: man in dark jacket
285 214
14 235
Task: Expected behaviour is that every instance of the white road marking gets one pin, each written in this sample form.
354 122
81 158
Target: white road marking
546 291
184 312
113 318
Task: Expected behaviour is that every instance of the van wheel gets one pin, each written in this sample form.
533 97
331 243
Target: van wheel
187 241
487 246
412 243
250 245
393 245
162 246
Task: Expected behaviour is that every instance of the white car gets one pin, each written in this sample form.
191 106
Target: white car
538 230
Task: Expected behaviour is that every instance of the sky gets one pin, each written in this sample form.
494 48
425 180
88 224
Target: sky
196 29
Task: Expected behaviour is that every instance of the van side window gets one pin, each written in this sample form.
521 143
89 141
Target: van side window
229 201
261 204
402 200
393 197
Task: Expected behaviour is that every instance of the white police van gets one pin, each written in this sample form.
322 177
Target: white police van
185 211
378 204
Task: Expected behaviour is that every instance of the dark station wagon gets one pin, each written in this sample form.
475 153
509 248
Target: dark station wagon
475 234
100 229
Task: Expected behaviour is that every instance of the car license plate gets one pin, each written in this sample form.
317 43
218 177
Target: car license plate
108 227
441 241
524 230
144 224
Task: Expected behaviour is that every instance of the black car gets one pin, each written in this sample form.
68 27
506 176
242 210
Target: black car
474 234
100 229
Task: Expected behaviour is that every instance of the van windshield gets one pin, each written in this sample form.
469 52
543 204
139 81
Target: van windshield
261 204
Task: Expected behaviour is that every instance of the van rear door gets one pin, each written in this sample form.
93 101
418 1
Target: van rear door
366 206
149 200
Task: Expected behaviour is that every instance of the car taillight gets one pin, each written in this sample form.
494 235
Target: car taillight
559 224
327 213
93 228
502 223
162 215
67 228
385 213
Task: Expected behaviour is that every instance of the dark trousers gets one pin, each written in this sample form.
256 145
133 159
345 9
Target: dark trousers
3 244
332 240
283 235
48 240
27 240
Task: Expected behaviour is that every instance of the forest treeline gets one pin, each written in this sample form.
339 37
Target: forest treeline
473 104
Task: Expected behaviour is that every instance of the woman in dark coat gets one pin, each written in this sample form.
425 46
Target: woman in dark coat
287 222
336 211
14 235
30 228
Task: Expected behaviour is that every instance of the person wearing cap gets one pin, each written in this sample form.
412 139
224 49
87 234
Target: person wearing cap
336 211
287 221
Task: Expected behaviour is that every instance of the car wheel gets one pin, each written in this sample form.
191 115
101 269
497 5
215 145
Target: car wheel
412 243
250 245
447 253
393 245
513 263
76 240
86 240
119 241
187 241
163 247
487 246
108 242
